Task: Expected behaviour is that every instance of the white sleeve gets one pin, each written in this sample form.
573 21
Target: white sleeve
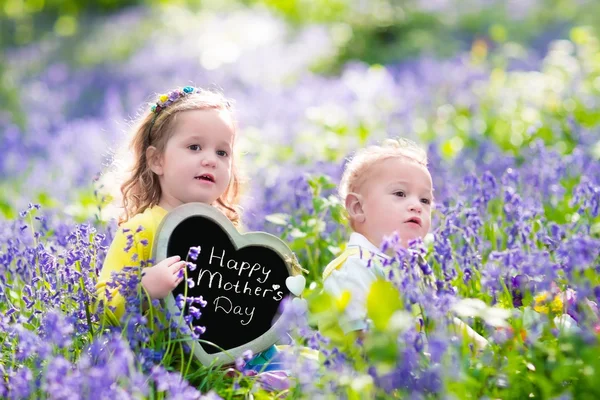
356 278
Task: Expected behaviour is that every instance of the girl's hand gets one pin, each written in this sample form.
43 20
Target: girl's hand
160 279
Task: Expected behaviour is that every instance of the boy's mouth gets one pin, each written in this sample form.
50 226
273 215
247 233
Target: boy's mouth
414 220
206 177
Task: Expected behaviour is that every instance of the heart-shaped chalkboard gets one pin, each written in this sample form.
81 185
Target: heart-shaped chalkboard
242 277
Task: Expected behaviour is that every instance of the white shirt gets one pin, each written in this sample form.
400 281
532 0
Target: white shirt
356 277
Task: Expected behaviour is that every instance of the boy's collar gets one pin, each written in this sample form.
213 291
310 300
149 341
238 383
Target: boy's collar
359 240
356 239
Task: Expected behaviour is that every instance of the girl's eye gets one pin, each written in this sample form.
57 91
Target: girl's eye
222 153
425 201
400 193
194 147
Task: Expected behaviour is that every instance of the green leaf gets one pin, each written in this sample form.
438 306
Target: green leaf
383 300
6 210
14 295
382 348
319 302
48 287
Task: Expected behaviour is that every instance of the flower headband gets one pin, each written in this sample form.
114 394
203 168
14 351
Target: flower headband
165 100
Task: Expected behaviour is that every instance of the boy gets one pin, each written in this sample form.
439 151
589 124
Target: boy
385 189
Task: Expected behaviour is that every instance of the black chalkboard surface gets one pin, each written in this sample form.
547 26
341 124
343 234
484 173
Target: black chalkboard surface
242 277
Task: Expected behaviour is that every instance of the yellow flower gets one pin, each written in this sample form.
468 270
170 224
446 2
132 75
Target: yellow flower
541 303
541 309
163 98
557 304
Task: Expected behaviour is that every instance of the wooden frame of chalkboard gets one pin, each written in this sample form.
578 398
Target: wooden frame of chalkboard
188 211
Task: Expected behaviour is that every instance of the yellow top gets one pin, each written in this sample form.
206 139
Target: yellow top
128 248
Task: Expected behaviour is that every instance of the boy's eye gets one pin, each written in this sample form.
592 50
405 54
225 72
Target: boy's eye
425 201
222 153
400 193
194 147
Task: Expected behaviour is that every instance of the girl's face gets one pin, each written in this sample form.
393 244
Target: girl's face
196 163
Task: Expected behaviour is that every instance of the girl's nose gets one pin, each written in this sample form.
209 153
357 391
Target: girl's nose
209 161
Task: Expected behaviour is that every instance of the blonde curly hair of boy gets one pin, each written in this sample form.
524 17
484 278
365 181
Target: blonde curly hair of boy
358 167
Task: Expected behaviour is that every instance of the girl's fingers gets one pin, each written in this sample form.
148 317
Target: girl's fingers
173 259
178 266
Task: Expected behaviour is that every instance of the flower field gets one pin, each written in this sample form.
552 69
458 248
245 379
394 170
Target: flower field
506 100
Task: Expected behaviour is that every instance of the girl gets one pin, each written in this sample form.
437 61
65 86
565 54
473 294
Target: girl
183 152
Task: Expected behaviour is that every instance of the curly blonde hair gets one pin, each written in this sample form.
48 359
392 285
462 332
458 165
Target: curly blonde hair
141 189
359 165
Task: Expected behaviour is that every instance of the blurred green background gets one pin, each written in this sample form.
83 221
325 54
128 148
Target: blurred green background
375 31
454 72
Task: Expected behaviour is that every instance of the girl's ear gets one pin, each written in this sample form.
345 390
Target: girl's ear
354 207
154 160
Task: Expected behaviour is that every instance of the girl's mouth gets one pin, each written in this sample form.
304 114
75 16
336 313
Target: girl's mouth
206 178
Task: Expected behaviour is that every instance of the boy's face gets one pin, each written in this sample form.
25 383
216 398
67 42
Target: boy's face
396 196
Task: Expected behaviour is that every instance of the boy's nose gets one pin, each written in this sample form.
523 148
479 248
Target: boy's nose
415 206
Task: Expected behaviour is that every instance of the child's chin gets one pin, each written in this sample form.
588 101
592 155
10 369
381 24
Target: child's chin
202 199
408 238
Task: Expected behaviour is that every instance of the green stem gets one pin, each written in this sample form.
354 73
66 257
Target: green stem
182 355
83 291
185 277
189 364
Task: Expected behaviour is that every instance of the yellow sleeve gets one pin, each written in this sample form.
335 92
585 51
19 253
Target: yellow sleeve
127 249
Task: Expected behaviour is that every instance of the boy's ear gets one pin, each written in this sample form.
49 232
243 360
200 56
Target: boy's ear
154 160
354 207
